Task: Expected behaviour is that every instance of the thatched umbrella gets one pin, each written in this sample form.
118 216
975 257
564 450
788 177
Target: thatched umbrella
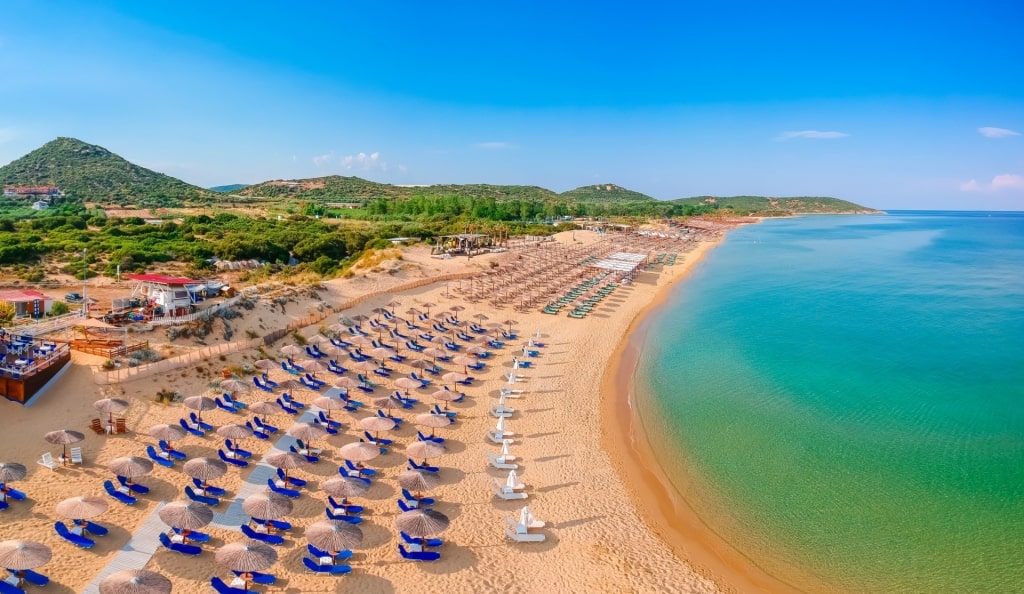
454 377
167 432
265 364
345 383
135 581
265 408
286 461
292 349
407 383
267 505
64 437
234 431
359 451
445 396
23 554
307 432
420 364
359 339
313 365
109 406
317 339
344 487
425 450
187 515
334 535
290 385
387 402
427 307
12 471
234 385
365 365
377 424
421 522
199 404
130 467
419 481
329 403
246 557
81 507
433 421
205 469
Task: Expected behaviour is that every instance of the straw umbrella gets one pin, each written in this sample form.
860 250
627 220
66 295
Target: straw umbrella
291 350
289 385
186 515
135 581
329 403
317 339
109 406
205 469
345 383
64 437
12 471
377 424
387 402
234 385
446 396
265 408
433 421
199 404
286 461
313 365
19 555
359 452
246 557
236 432
422 523
454 377
167 432
393 304
407 383
307 432
425 450
265 364
418 481
267 505
382 353
334 535
81 507
465 362
433 353
427 307
344 487
130 467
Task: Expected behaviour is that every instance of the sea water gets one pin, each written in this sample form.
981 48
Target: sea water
844 395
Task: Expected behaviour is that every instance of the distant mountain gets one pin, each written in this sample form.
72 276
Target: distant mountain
88 172
767 206
337 188
229 188
604 193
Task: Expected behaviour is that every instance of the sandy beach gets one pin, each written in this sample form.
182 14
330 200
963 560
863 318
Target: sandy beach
569 425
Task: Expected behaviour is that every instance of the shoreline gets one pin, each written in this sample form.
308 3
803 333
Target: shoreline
667 514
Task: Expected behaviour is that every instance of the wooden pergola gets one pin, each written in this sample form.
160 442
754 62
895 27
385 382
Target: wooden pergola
462 243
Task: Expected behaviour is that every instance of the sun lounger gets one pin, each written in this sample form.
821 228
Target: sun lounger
131 487
162 460
344 472
320 554
192 535
502 411
499 436
523 536
328 422
11 493
342 517
405 505
236 450
275 524
231 401
414 466
224 406
197 422
286 408
421 500
294 494
418 555
448 413
263 579
256 432
343 508
48 461
75 539
230 460
505 493
208 489
263 426
499 462
222 588
32 577
167 449
290 480
429 542
434 438
331 569
122 497
97 426
211 501
292 402
309 455
193 430
271 539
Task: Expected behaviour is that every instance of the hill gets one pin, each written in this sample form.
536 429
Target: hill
229 188
767 206
604 193
87 172
337 188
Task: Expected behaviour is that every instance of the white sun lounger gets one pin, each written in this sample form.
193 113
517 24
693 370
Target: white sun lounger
502 411
48 461
505 493
523 536
500 462
500 437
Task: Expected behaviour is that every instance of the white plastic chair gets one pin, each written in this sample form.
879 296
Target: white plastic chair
76 455
48 461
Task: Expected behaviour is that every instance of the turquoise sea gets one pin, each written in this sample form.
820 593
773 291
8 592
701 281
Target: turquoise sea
845 395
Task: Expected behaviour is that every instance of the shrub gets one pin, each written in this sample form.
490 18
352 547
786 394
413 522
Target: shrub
59 308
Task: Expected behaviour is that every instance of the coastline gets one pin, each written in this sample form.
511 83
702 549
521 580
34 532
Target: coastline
667 514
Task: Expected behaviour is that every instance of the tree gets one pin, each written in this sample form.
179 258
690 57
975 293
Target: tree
7 311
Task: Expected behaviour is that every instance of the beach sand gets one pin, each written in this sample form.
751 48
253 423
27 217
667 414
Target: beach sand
598 535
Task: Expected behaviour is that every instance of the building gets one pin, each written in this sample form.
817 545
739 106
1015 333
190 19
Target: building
10 191
27 302
165 295
40 205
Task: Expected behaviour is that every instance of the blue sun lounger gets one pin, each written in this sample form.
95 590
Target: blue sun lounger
78 541
122 497
222 588
271 539
315 567
418 555
211 501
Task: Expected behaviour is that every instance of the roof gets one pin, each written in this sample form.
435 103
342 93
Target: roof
23 295
160 279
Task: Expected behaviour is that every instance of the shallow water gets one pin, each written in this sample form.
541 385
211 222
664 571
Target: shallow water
846 395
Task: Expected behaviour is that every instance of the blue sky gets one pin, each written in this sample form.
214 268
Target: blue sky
889 104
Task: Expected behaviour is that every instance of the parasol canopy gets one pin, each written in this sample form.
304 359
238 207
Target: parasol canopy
359 451
419 480
334 535
234 431
234 385
329 403
64 437
110 406
307 431
345 486
135 581
267 505
286 460
205 469
199 403
265 364
246 556
377 423
188 515
422 522
167 432
23 554
431 420
81 507
292 350
130 466
12 471
425 449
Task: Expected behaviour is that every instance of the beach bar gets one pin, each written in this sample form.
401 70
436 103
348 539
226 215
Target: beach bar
27 365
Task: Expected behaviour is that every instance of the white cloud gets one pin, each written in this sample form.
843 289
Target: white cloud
1006 181
989 132
321 160
815 134
364 162
493 146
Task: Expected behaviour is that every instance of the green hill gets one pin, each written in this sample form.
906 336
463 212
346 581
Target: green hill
604 193
767 206
87 172
229 188
337 188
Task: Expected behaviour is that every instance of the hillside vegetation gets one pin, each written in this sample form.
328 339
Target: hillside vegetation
768 207
604 193
87 172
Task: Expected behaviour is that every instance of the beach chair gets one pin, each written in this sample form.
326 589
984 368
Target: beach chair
132 487
263 579
344 507
160 458
48 461
197 422
124 498
326 569
420 500
173 453
275 524
76 456
398 421
451 414
418 555
222 588
256 432
97 426
182 548
208 489
378 441
291 480
307 454
320 554
331 515
293 493
34 578
224 406
424 382
236 404
414 466
500 462
345 473
259 384
408 505
211 501
230 460
120 426
501 411
267 381
434 438
193 430
286 408
360 471
292 402
264 426
518 533
192 535
236 450
504 492
425 542
75 539
271 539
328 422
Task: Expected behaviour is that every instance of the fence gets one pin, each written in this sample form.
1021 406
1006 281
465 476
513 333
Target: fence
132 373
42 326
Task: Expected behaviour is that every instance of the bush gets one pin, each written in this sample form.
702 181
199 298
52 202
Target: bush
59 308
